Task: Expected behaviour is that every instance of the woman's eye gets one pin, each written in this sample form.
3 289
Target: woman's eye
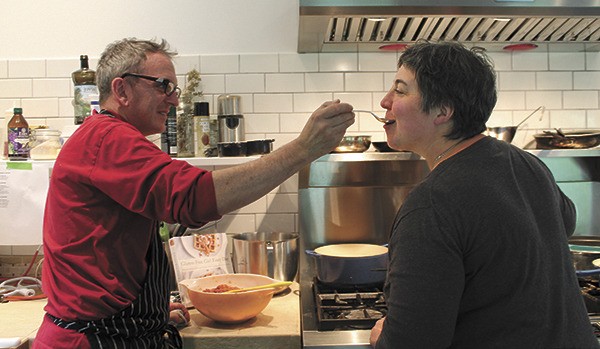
400 92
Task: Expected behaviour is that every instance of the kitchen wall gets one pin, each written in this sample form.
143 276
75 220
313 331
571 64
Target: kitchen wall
280 88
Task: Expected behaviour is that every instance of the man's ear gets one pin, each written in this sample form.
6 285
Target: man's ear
444 115
120 91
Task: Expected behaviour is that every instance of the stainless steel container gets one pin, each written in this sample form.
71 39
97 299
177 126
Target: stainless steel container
266 253
230 118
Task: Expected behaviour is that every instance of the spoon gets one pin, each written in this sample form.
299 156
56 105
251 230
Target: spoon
273 285
379 118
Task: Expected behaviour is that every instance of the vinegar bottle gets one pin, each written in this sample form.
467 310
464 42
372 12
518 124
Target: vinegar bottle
85 90
18 136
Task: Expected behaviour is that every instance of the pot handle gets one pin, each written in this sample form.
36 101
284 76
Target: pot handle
312 253
587 272
269 246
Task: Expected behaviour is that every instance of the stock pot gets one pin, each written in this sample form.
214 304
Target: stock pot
273 254
350 264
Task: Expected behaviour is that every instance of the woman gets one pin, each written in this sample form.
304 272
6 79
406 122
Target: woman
478 252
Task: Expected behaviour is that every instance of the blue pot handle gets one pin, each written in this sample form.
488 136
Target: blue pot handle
587 272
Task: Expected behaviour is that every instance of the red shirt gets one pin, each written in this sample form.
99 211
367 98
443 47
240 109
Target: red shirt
108 185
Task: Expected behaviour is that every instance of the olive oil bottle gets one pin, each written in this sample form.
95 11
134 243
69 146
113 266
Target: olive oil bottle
85 90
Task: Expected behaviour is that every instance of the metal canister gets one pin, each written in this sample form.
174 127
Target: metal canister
230 118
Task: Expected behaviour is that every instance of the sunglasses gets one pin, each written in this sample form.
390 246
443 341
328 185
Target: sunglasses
168 85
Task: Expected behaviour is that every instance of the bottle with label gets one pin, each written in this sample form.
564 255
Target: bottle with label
169 137
185 135
85 90
205 136
18 136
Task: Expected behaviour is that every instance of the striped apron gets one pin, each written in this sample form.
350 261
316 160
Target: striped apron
144 324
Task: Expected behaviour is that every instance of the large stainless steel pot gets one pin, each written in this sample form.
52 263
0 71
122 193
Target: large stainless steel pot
584 250
350 264
273 254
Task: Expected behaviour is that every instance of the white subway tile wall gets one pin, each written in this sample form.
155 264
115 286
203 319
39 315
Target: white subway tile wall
279 92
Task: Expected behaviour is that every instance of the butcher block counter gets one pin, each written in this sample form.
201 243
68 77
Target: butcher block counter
276 327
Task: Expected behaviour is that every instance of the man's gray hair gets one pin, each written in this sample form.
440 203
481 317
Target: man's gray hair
125 56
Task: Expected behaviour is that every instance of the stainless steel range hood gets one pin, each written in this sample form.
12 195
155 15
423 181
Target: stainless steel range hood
366 25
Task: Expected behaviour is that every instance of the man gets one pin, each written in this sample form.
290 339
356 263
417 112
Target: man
478 253
105 271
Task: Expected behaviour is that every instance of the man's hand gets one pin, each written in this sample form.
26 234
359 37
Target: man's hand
179 315
326 127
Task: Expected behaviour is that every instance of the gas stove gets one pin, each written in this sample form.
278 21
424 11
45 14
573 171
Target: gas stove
590 291
337 317
349 307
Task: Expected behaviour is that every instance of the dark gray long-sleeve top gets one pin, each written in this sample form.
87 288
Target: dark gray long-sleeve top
479 258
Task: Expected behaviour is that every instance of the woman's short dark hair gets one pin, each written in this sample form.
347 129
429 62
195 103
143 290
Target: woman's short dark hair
450 74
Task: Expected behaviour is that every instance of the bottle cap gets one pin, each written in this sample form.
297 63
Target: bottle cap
18 110
172 111
201 108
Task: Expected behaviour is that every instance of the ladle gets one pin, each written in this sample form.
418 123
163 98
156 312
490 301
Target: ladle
379 118
507 133
528 116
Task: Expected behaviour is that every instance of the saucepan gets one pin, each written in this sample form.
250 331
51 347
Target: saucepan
350 264
578 139
507 133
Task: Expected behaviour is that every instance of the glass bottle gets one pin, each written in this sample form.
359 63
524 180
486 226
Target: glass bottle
85 90
169 136
18 136
201 129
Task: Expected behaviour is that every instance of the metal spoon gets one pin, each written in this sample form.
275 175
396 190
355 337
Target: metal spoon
379 118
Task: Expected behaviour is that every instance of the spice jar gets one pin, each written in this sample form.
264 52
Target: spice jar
45 144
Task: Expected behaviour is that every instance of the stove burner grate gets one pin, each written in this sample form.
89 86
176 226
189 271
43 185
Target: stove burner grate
357 307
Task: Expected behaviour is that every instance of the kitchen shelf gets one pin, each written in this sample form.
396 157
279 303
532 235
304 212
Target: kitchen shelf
199 162
404 155
564 153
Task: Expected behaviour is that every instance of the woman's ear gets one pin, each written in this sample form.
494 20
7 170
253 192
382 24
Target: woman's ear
120 91
444 115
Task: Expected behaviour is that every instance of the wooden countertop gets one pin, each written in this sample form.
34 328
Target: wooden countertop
277 326
21 319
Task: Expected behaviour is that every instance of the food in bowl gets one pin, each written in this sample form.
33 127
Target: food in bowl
229 307
221 288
